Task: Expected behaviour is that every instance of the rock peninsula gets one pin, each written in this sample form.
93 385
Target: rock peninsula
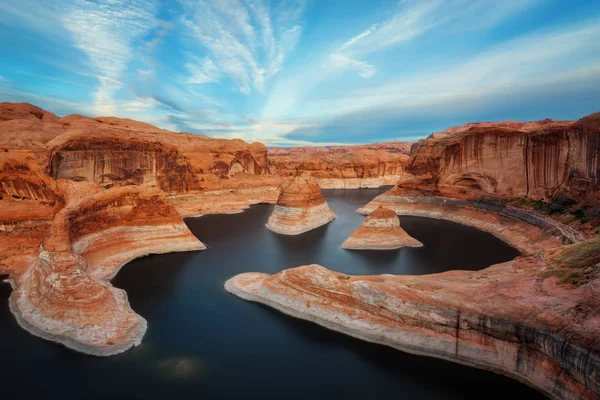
380 231
300 208
64 295
536 318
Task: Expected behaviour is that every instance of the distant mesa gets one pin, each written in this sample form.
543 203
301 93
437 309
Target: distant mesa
380 231
300 207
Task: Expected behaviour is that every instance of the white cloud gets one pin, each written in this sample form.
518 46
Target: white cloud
203 71
415 18
105 31
339 61
536 61
248 55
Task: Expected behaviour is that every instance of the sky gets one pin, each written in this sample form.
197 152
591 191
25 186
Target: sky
303 72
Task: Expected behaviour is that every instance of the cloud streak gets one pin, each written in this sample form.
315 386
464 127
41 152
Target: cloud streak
248 55
106 31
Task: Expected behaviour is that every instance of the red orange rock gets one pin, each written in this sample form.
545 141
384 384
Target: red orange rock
536 318
300 207
343 167
64 295
380 231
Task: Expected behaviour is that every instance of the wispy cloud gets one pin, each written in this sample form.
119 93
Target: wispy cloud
203 71
249 55
541 57
105 31
415 18
547 62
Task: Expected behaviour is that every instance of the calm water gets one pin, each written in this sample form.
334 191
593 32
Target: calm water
204 343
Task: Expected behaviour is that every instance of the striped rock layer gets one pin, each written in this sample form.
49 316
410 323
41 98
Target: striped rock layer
380 231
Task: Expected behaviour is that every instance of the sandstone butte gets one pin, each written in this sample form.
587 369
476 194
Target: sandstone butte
344 167
536 318
380 231
300 207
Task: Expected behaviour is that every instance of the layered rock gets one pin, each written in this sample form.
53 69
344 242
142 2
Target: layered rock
29 199
526 231
343 167
511 160
64 295
380 231
536 318
300 208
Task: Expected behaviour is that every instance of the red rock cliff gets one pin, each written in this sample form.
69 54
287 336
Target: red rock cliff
534 160
343 167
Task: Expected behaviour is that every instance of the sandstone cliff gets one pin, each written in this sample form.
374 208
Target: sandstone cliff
343 167
536 318
380 231
300 207
537 161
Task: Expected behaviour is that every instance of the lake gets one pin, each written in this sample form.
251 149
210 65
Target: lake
205 343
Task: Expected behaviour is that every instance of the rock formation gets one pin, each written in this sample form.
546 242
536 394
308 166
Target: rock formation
64 295
343 167
524 230
300 207
536 318
537 161
380 231
82 196
539 176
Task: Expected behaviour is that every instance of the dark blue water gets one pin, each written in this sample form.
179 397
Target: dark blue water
205 343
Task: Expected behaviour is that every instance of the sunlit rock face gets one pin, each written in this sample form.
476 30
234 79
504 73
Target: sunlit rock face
64 295
112 151
300 207
380 231
534 160
343 167
536 318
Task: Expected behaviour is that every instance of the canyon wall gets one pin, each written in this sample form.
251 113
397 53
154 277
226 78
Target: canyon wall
343 167
533 160
536 318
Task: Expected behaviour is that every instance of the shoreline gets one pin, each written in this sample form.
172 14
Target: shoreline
524 235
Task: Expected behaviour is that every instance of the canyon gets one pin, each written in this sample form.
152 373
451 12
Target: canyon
81 197
380 231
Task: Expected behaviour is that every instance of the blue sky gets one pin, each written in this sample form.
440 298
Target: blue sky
296 72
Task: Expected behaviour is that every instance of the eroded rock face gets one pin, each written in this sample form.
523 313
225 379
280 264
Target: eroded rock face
534 160
343 167
380 231
536 318
64 295
300 207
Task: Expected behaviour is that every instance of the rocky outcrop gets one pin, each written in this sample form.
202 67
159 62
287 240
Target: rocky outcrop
536 318
522 126
343 167
10 111
536 161
64 295
380 231
524 230
300 207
